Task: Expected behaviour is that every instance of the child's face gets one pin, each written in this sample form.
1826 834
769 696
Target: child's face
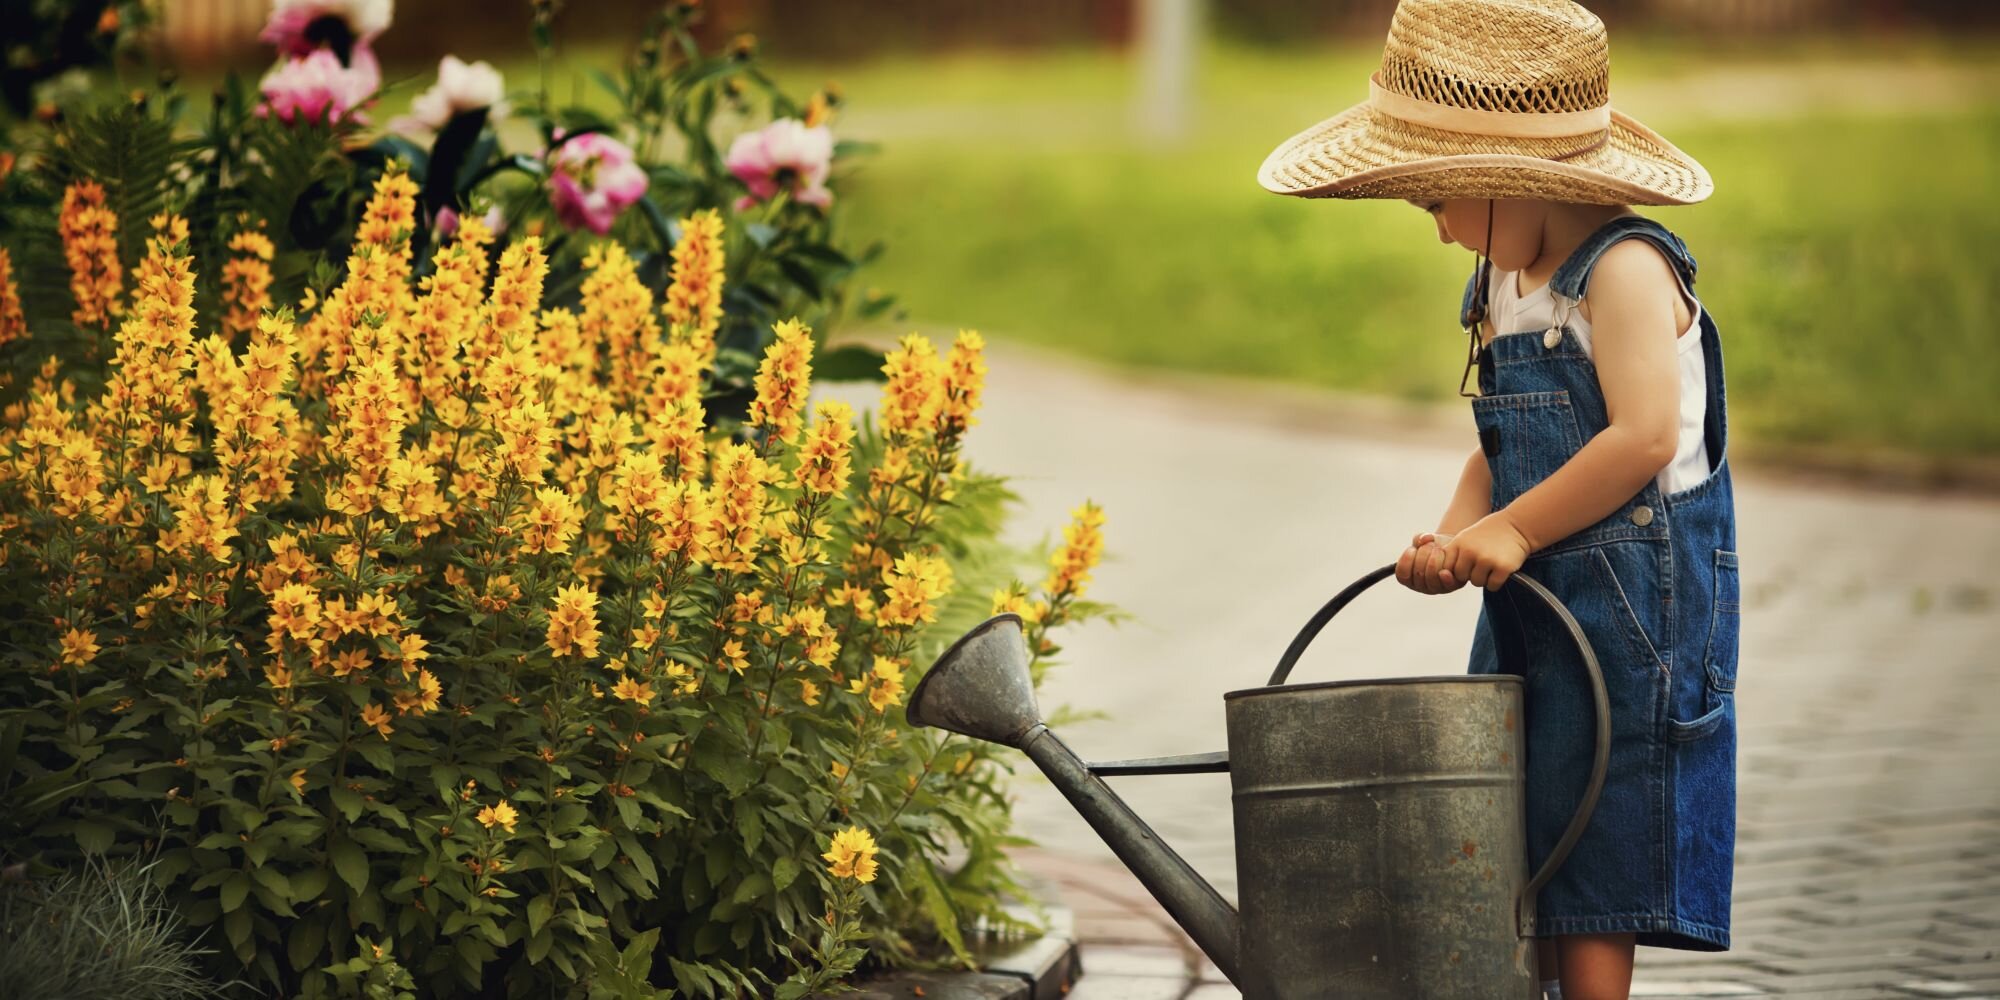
1516 228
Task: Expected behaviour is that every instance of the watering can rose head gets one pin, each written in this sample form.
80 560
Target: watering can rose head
786 156
592 178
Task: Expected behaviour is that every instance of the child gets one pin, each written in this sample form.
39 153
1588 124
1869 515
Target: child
1600 469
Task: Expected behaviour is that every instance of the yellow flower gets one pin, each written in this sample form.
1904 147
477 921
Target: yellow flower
694 300
1083 547
13 323
808 692
552 521
733 658
1014 598
852 855
883 684
89 233
631 690
573 622
912 583
915 387
246 282
501 814
964 379
825 458
839 770
784 378
297 781
378 717
423 698
79 647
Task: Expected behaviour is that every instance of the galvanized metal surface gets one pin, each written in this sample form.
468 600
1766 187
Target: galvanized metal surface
1379 824
1379 840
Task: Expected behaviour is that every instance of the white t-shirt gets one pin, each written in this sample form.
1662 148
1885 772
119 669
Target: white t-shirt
1514 313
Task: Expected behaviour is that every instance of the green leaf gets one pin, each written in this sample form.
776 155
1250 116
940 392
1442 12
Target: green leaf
727 764
784 872
234 890
936 903
849 363
349 862
94 837
540 909
755 887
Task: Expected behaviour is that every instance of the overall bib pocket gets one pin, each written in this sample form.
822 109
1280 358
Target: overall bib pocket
1526 437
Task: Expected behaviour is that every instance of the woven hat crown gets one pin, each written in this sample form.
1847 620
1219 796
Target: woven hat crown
1523 56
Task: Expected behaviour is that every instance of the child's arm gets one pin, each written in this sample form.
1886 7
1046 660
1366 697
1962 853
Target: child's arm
1632 319
1418 568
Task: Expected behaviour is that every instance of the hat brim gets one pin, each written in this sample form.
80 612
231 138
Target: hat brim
1362 153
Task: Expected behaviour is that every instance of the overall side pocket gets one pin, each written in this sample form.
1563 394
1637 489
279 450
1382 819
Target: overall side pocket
1718 653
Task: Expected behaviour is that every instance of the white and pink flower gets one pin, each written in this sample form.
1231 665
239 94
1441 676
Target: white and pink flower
787 156
326 66
460 87
316 89
592 178
298 27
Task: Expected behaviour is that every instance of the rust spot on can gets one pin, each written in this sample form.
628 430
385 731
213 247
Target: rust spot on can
1470 848
1508 720
1506 757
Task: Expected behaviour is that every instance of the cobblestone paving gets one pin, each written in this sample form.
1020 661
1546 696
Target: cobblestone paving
1869 854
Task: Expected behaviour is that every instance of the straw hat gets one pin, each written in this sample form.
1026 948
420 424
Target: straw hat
1488 99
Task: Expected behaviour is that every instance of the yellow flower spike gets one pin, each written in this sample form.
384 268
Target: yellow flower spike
573 622
915 387
783 379
89 233
825 460
246 282
1083 548
964 381
694 299
808 692
912 584
13 323
297 781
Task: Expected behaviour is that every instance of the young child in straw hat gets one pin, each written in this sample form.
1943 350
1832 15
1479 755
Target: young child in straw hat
1600 468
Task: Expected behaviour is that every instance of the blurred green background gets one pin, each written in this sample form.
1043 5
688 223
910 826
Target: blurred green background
1055 173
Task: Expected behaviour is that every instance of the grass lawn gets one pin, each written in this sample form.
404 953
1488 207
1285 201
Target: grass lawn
1851 253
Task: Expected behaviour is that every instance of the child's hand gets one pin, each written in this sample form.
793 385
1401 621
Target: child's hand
1422 566
1487 553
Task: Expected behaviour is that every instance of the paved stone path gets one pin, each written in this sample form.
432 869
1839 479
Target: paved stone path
1869 855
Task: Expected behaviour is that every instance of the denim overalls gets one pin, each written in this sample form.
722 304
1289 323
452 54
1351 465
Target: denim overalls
1654 585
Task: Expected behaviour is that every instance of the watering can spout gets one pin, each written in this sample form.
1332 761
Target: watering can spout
981 688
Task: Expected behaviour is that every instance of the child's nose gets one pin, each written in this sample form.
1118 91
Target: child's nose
1444 235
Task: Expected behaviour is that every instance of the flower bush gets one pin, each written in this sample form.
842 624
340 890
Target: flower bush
434 634
426 558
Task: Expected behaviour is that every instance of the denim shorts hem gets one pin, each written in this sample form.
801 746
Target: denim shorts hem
1650 930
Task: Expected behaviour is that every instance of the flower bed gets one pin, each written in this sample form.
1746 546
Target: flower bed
499 616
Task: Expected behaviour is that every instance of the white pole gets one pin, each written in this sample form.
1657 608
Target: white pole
1168 34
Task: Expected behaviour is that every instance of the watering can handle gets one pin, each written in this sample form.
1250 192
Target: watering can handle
1601 701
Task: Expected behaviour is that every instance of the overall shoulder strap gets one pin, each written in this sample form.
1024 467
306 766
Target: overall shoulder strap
1572 279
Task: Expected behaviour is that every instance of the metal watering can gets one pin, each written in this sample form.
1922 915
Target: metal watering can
1380 838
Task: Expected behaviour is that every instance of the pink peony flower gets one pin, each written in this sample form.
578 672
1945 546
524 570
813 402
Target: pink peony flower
460 87
592 178
783 156
317 89
297 27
